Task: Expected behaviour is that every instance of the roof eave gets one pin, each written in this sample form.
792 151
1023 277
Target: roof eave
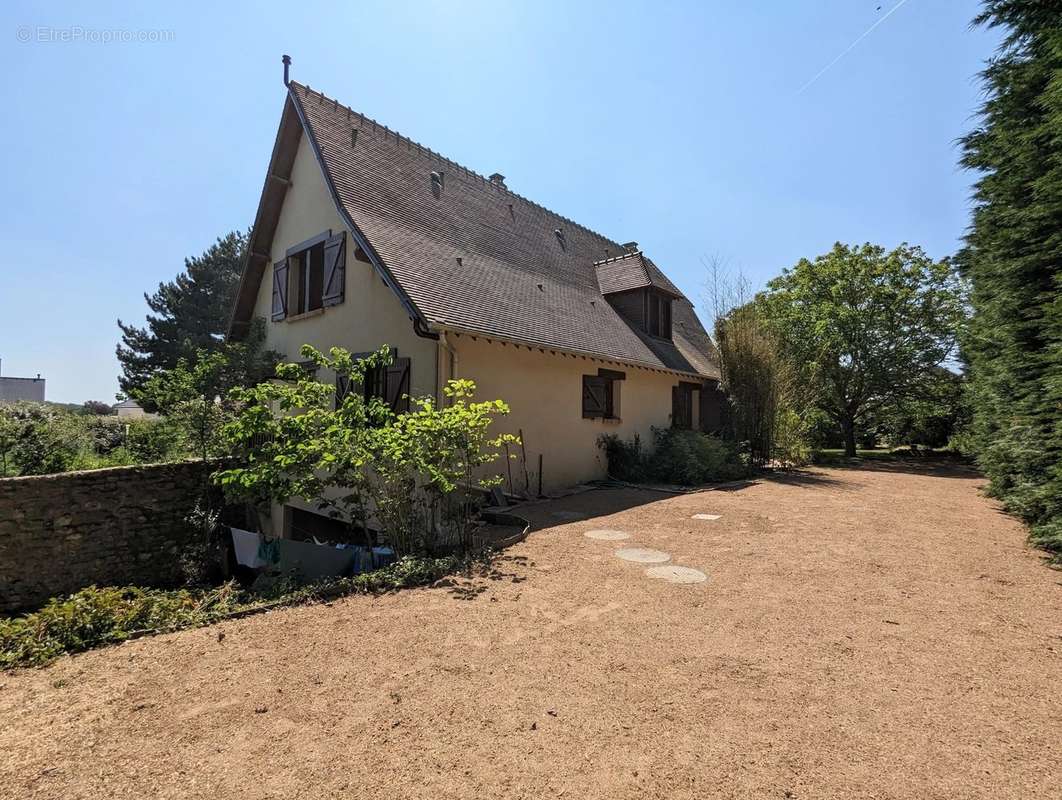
458 329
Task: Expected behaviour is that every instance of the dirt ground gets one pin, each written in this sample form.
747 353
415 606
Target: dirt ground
863 633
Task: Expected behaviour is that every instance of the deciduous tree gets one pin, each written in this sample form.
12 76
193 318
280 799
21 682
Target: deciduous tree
868 327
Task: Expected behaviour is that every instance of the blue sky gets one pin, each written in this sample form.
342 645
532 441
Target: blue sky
680 125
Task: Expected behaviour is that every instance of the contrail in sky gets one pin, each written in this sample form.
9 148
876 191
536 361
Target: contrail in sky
848 49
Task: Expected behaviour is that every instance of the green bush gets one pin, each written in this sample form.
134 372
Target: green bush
626 460
94 617
683 457
417 473
41 439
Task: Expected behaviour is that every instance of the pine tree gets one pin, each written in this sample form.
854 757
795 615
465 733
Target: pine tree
1013 259
189 313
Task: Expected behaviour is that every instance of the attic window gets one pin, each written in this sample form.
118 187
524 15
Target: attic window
437 182
560 238
311 276
658 315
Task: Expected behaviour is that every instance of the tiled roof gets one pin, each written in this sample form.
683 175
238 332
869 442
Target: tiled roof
632 271
472 255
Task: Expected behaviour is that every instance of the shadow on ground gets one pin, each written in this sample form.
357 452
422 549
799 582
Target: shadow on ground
935 467
476 581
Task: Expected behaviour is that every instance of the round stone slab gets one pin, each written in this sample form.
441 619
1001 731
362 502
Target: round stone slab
643 555
705 516
607 535
673 574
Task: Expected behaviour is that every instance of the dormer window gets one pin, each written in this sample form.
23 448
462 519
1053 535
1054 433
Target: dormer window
657 314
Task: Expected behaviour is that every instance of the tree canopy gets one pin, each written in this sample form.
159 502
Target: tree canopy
1013 260
188 314
868 327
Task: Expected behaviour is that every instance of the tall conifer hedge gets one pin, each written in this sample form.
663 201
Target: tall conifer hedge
1013 258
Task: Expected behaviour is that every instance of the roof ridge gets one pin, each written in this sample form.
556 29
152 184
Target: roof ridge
613 259
376 126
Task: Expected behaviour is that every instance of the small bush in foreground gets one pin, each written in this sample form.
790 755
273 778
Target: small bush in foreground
94 617
683 457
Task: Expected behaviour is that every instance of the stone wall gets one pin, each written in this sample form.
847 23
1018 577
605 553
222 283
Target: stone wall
60 533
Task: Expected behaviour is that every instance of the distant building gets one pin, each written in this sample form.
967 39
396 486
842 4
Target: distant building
12 389
130 409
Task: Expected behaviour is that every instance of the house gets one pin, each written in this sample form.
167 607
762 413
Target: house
364 237
14 389
130 409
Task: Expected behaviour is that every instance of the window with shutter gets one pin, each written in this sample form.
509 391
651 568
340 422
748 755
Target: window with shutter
388 383
682 406
595 396
310 277
600 394
657 314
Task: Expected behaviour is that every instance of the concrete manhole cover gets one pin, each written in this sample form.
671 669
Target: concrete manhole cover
706 516
643 555
567 515
673 574
607 535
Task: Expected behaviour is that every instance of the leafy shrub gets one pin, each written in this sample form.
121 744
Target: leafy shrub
151 441
626 460
414 474
41 439
683 457
94 617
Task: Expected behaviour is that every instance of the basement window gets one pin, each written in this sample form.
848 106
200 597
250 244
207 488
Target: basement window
601 394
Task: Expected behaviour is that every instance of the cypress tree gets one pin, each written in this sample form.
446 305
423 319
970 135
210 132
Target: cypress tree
1013 260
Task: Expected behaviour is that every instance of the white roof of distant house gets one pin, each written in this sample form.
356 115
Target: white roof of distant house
127 404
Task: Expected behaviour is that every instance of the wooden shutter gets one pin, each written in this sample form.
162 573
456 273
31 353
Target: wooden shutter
397 385
681 407
595 396
335 270
280 290
343 383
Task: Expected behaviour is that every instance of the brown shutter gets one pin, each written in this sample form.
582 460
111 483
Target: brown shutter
594 396
343 383
280 290
681 407
335 270
397 383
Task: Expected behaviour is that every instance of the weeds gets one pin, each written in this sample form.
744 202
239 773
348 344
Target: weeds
94 617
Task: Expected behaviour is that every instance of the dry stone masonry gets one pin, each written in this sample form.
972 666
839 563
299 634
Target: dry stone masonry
60 533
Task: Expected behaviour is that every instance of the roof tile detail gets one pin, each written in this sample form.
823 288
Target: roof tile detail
515 279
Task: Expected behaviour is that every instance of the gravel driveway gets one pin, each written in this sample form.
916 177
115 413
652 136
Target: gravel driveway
858 633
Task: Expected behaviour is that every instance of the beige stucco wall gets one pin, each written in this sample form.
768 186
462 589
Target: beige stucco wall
370 315
544 393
